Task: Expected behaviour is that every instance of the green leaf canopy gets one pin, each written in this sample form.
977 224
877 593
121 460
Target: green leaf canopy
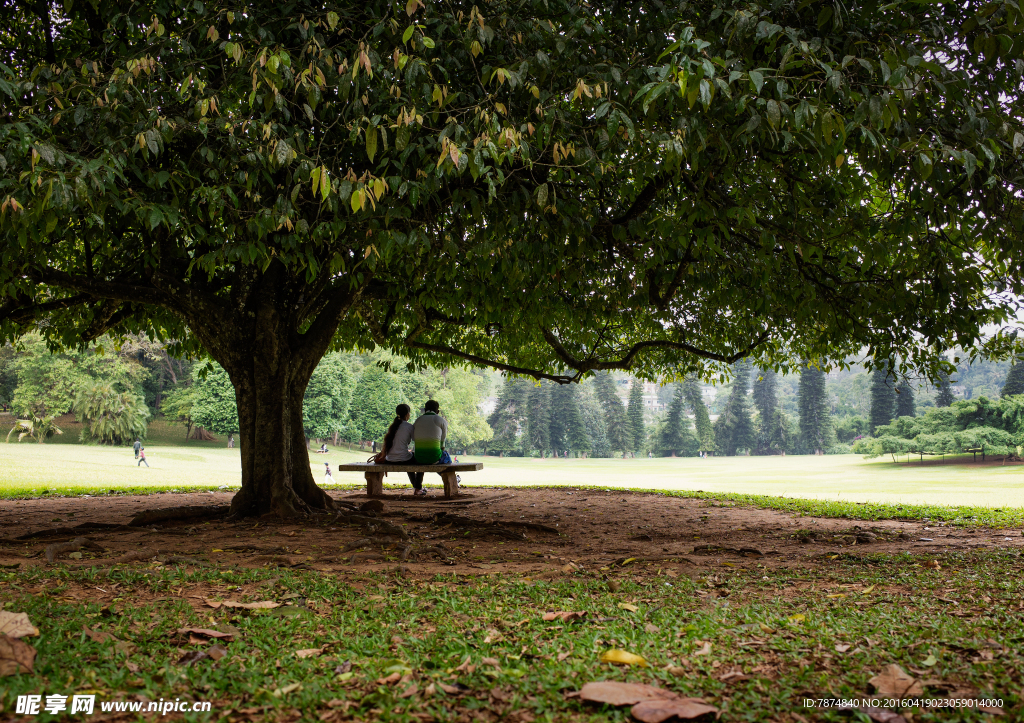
550 187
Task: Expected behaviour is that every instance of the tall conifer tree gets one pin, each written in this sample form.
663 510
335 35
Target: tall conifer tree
594 422
944 395
765 393
905 405
701 418
614 413
508 419
883 398
538 418
635 417
675 438
815 417
1014 379
568 432
734 429
771 423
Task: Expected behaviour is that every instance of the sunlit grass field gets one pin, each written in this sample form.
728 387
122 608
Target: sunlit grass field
29 469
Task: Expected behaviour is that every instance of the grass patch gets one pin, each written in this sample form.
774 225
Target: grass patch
382 635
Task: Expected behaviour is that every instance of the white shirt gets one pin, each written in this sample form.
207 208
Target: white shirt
399 451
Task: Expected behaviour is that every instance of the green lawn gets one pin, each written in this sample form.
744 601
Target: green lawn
76 468
381 646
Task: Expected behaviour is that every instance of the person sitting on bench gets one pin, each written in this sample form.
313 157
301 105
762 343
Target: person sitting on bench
429 434
396 444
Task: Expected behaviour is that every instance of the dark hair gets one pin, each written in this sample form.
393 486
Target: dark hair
400 411
432 406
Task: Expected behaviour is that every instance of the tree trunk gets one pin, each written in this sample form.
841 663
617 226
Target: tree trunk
276 475
257 340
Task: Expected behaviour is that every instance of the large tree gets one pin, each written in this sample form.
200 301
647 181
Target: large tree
550 187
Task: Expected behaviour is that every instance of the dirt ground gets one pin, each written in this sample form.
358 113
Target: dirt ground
538 533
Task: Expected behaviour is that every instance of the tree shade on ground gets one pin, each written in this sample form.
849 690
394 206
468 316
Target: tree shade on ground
554 188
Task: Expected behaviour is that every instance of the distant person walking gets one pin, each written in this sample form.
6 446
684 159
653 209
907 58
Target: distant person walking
328 478
137 446
142 457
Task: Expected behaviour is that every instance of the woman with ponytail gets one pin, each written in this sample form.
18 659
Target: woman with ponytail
396 445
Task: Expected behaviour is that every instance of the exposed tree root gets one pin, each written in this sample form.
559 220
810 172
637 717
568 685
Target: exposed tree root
172 514
59 548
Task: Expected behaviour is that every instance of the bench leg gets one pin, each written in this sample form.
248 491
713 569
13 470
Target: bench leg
374 484
451 484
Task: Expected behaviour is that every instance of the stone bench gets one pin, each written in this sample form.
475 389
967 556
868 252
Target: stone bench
374 474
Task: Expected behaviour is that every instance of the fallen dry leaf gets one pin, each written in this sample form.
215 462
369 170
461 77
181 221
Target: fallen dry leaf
894 682
192 656
493 636
652 628
612 692
656 711
563 656
564 616
457 689
932 564
466 667
705 648
16 625
308 652
490 661
409 692
628 606
98 636
390 680
15 656
622 657
203 632
842 648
